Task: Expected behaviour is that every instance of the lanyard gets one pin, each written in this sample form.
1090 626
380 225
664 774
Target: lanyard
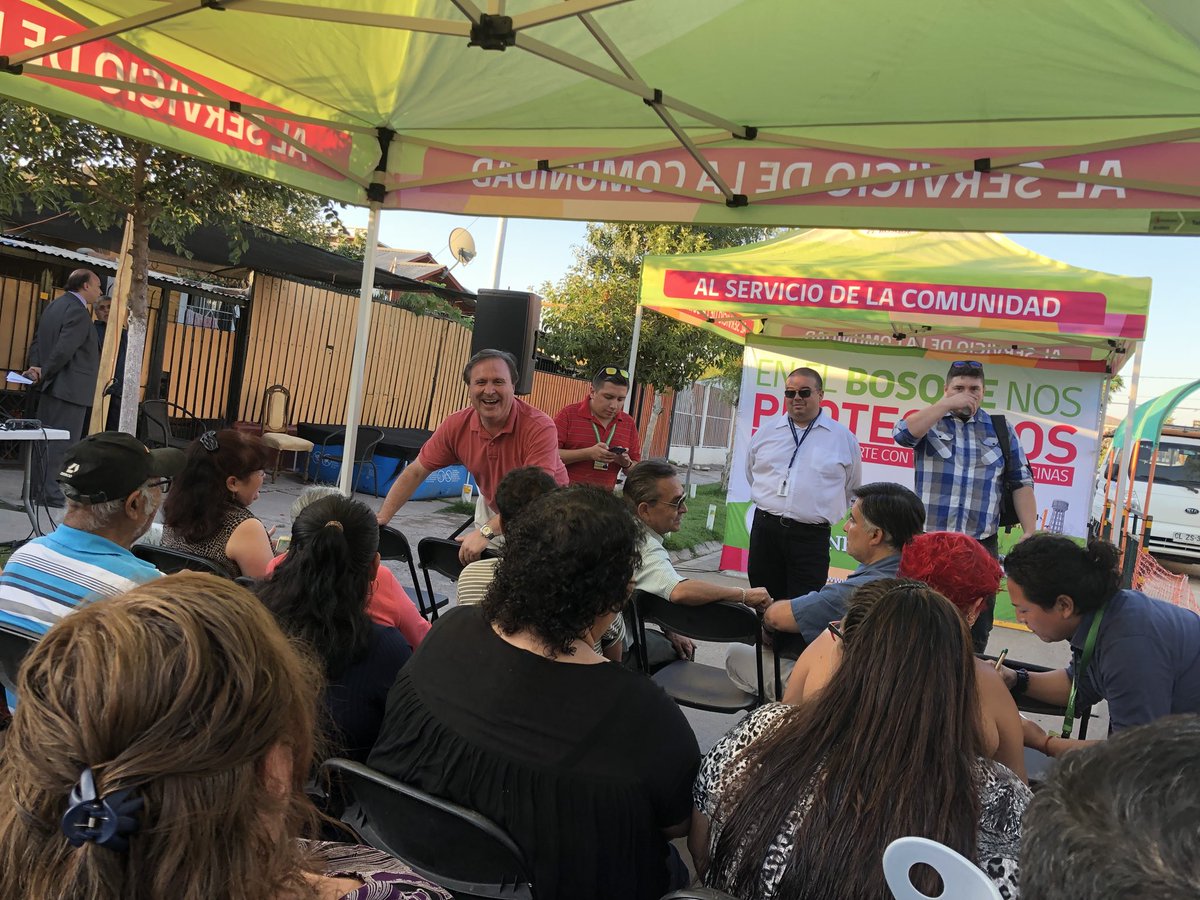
799 440
611 432
1089 647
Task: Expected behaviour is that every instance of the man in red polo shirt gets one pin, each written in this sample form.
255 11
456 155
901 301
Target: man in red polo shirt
590 432
494 435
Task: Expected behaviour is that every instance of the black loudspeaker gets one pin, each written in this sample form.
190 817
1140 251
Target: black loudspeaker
508 320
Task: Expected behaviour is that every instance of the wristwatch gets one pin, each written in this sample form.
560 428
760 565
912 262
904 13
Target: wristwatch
486 530
1022 683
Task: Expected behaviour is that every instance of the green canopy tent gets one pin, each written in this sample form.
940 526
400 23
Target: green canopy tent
1071 115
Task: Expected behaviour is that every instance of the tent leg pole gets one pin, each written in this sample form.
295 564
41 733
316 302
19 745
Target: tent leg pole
498 260
633 351
1121 512
358 363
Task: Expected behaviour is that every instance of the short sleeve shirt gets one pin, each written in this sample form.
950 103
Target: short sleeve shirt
578 429
655 575
528 438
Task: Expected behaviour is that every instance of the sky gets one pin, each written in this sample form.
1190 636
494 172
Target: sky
539 251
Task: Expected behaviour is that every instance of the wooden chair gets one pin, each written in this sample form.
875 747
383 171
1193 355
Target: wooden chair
277 401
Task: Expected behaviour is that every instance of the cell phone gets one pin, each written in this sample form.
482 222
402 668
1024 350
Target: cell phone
618 450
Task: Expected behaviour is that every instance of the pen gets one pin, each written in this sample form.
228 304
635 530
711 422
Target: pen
1000 658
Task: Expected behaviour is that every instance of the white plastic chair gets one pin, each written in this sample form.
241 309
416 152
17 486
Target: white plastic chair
961 878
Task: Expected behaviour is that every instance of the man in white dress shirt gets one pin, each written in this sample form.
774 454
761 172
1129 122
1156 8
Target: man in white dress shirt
802 468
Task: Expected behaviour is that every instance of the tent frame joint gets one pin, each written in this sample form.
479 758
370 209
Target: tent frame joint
983 164
218 5
543 165
656 99
737 201
749 133
10 69
493 32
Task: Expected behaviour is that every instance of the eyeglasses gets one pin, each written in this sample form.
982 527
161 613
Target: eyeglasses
678 502
803 393
164 483
209 441
967 364
837 632
613 370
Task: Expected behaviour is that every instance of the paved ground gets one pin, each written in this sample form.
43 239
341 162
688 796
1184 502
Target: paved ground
418 519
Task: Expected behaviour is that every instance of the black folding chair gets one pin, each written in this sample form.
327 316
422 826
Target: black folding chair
15 642
450 845
439 555
364 452
698 893
695 684
1027 704
394 545
159 419
171 561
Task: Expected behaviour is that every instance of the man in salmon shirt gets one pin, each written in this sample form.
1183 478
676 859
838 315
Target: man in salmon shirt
494 435
596 438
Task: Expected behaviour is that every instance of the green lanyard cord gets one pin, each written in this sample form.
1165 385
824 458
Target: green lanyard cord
1089 647
611 432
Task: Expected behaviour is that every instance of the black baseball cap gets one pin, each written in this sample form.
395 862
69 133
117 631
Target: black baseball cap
111 465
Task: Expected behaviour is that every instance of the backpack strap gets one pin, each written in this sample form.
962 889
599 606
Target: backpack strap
1003 436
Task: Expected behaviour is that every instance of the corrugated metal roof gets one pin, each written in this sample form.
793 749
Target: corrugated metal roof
160 279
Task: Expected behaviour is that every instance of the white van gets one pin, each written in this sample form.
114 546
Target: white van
1174 497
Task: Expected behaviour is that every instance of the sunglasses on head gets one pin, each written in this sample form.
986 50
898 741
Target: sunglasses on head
613 370
803 393
972 364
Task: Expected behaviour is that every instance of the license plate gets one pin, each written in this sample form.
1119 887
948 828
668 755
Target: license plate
1185 537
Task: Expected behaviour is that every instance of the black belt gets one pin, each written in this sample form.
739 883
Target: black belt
791 523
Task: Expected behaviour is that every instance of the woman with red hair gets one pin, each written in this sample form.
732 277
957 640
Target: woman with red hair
958 567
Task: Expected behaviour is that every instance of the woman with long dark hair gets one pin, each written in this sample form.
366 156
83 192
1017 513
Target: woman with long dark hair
160 749
207 511
800 802
319 594
1140 654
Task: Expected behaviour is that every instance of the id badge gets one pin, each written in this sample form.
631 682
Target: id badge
784 490
600 466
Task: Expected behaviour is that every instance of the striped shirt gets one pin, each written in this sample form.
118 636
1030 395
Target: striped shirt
960 472
49 576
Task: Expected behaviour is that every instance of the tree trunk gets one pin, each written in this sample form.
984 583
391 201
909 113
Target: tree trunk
655 411
136 346
729 450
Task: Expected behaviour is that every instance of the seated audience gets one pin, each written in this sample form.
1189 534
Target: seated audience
207 514
1119 820
883 518
387 602
113 487
160 749
517 490
586 765
800 802
319 594
1145 653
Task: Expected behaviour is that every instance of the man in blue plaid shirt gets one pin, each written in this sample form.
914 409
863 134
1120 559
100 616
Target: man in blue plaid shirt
960 469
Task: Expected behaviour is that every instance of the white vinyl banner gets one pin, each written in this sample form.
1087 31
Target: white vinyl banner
1055 413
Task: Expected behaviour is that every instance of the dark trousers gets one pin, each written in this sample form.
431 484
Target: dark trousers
56 413
983 625
787 558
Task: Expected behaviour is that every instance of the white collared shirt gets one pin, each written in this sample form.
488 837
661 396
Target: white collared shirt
821 481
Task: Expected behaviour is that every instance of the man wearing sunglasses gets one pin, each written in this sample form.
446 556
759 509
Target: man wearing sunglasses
802 468
597 439
113 487
960 469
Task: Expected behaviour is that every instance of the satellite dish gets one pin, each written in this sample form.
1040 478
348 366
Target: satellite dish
462 245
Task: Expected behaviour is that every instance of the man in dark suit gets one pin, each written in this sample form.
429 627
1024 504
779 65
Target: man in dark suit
64 360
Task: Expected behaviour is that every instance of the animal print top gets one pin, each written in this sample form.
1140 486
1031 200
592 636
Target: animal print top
1003 798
